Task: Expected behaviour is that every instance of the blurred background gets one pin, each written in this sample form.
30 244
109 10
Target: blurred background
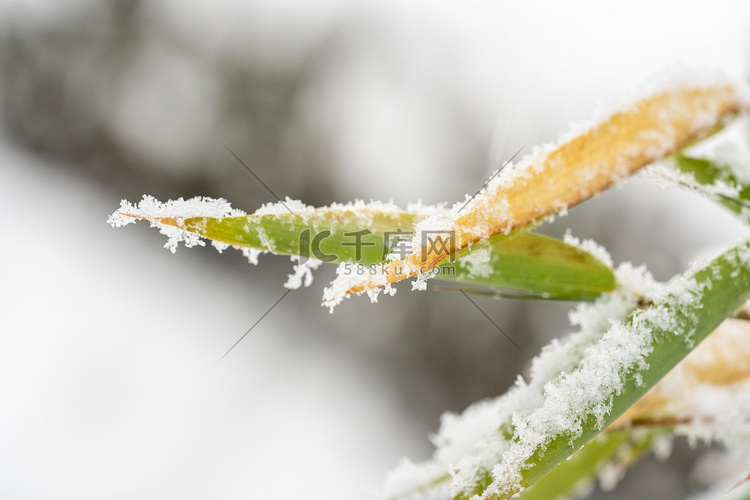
109 381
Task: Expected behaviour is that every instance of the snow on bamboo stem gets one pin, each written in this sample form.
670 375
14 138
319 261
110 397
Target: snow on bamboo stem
558 176
613 374
579 385
280 228
707 395
472 438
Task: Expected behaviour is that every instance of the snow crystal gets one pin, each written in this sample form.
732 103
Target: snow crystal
373 293
423 209
283 207
251 254
669 79
347 278
265 240
177 211
664 81
151 209
365 210
335 293
420 283
220 246
722 415
590 246
572 396
571 379
667 170
478 262
588 390
638 281
302 274
730 149
385 207
470 442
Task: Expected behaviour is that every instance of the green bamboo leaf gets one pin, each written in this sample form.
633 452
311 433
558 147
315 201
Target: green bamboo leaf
716 181
522 261
535 264
330 235
618 448
669 330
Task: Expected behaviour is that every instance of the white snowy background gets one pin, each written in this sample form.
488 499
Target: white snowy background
110 385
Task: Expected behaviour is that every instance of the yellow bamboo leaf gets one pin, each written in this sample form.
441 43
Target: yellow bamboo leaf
558 177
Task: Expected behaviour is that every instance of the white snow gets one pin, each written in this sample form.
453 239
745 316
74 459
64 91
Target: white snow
590 246
468 443
347 277
571 397
570 380
478 262
667 171
718 410
729 148
420 283
283 207
251 254
302 274
487 212
265 240
151 209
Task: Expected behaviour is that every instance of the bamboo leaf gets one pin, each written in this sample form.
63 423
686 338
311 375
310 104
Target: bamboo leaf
328 235
669 330
521 261
536 264
556 178
611 449
716 181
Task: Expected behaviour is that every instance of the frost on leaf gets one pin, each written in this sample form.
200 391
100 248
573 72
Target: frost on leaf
363 238
718 167
582 164
468 445
580 384
589 246
174 211
707 396
302 274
